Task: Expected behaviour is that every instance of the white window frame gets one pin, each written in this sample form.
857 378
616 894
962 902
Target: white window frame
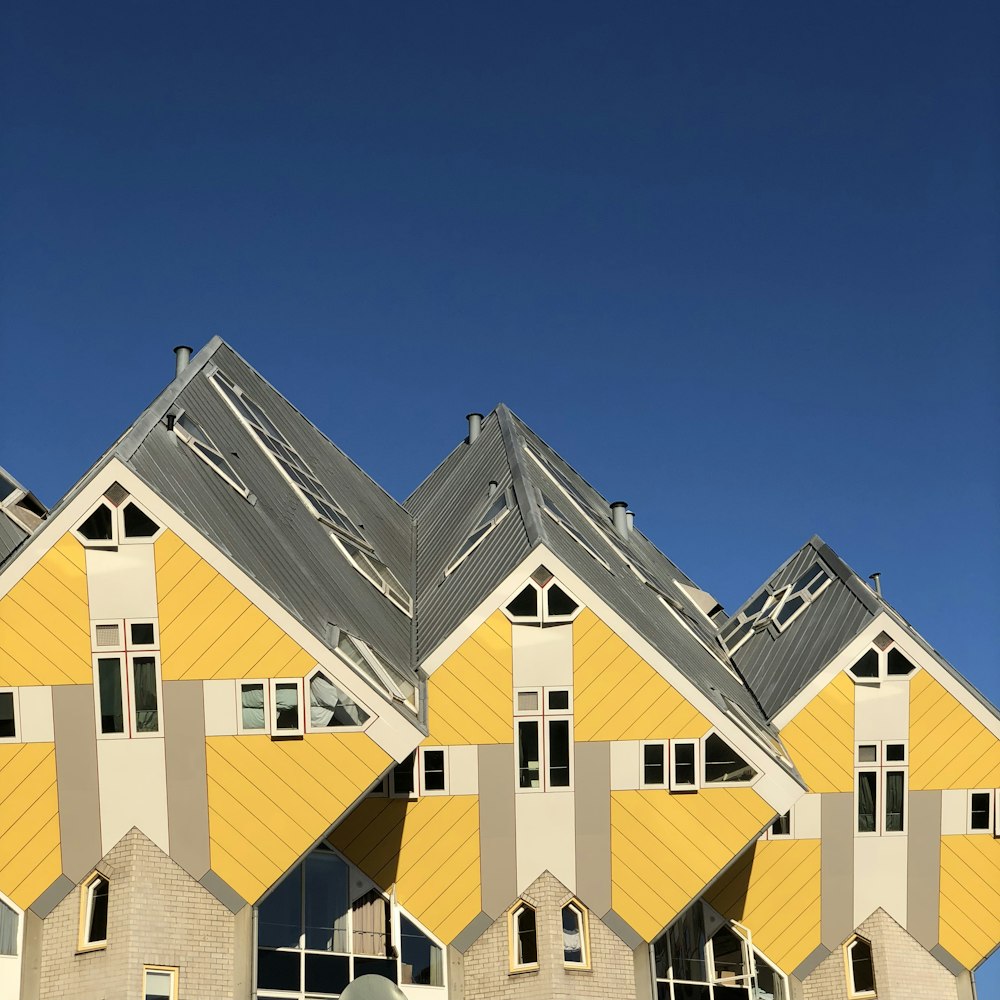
513 938
266 692
769 833
424 790
208 445
18 734
133 721
675 785
880 767
373 662
584 924
508 496
852 991
883 676
124 539
807 597
87 887
542 594
142 646
98 543
379 581
174 973
542 718
703 751
552 510
665 746
295 682
118 647
310 728
122 657
992 824
19 931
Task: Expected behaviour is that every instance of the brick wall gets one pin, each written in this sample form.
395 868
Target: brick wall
157 915
486 969
904 970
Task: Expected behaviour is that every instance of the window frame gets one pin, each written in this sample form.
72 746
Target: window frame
445 763
769 833
175 975
122 657
98 543
307 714
514 940
683 787
371 659
703 781
18 736
881 767
208 444
542 718
123 538
87 887
241 729
584 924
5 901
508 495
131 657
542 618
883 676
852 991
299 730
411 794
993 821
665 747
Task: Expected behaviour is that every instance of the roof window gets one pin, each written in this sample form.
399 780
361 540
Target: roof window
20 505
360 655
498 507
550 508
198 440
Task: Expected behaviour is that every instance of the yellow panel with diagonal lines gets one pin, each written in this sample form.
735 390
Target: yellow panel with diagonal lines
969 921
428 848
45 621
469 695
774 889
30 859
949 747
666 848
820 739
209 630
269 800
618 696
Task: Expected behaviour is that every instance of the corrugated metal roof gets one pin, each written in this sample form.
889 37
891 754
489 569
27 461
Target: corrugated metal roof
11 536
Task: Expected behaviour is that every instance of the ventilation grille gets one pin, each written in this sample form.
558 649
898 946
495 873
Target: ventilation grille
107 636
883 640
116 493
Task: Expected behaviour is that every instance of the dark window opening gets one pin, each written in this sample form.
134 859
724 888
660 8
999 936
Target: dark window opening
653 764
8 730
525 605
559 602
979 813
782 826
137 524
723 763
898 665
434 776
867 666
97 527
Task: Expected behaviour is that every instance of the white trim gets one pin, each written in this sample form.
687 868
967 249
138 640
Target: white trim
703 763
98 543
508 496
991 825
123 538
123 681
209 444
675 784
262 683
295 682
310 728
424 790
664 745
133 707
769 833
414 792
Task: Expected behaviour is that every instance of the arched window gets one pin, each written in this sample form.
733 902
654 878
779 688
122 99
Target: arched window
94 893
523 938
576 936
860 968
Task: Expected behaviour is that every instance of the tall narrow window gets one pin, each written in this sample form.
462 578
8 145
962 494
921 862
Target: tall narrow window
654 765
980 810
145 685
782 826
403 778
286 697
94 894
435 770
895 800
110 695
860 968
523 938
252 707
8 716
867 801
8 929
528 757
544 727
576 944
683 765
559 752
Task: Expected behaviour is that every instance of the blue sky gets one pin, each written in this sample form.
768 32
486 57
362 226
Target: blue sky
737 262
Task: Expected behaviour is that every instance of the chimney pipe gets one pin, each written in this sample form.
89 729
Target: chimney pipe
475 425
182 356
630 520
876 579
619 517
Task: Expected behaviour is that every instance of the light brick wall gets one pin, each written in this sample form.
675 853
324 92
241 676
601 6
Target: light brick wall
157 915
904 970
486 970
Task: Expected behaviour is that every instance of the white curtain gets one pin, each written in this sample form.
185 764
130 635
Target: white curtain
329 706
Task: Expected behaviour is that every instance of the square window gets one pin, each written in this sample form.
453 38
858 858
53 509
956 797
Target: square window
895 752
140 633
558 701
527 701
868 753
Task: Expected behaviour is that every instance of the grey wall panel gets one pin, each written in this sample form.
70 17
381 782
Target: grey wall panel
31 957
497 841
837 868
924 867
187 789
593 825
77 779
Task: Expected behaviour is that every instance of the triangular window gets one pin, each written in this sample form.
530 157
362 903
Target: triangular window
198 440
498 507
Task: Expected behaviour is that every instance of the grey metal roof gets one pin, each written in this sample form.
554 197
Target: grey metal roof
14 530
11 536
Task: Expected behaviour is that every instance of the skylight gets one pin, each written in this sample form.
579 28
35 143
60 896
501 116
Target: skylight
19 504
197 439
359 654
317 498
550 508
497 509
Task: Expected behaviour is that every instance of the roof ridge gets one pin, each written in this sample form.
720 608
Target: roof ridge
522 490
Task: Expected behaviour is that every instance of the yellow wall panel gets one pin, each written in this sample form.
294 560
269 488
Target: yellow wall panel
469 699
428 848
209 630
969 925
45 621
269 800
949 747
774 889
30 859
820 739
618 696
666 848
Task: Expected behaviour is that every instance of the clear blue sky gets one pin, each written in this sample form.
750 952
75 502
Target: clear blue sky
737 262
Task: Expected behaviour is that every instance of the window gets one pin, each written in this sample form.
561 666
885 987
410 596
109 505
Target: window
981 805
128 694
654 764
192 434
781 828
159 982
542 601
723 765
741 626
314 938
286 699
366 661
576 936
796 599
860 968
9 722
881 782
94 893
683 765
498 507
523 938
403 778
116 520
348 537
330 708
552 509
9 920
544 728
883 662
434 770
18 504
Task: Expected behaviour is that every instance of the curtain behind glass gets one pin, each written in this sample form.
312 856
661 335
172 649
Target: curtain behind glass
8 930
866 801
894 801
146 711
329 706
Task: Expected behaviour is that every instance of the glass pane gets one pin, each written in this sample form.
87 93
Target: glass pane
326 903
159 985
788 609
684 769
980 811
402 776
723 763
434 777
142 634
98 927
558 701
279 970
729 958
8 930
867 792
572 935
894 801
384 967
109 677
330 707
770 985
147 716
559 753
6 487
525 605
527 754
898 665
560 603
861 966
782 826
660 957
7 715
524 928
286 706
421 961
895 752
687 946
137 524
527 701
738 634
653 764
867 666
279 918
97 527
868 754
252 705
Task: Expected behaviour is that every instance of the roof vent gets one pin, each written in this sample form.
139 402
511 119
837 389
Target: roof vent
492 488
182 355
619 517
475 425
630 520
876 579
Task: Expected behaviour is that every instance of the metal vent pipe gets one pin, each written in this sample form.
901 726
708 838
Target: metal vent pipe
619 517
182 355
475 425
876 579
630 520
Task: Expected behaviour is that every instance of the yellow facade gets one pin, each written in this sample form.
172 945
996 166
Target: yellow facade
30 859
970 897
618 696
469 695
45 621
209 630
427 848
270 800
774 890
666 848
949 747
820 739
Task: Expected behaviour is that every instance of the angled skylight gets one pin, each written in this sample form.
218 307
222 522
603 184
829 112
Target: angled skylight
317 498
741 626
198 440
498 507
552 509
19 504
359 654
